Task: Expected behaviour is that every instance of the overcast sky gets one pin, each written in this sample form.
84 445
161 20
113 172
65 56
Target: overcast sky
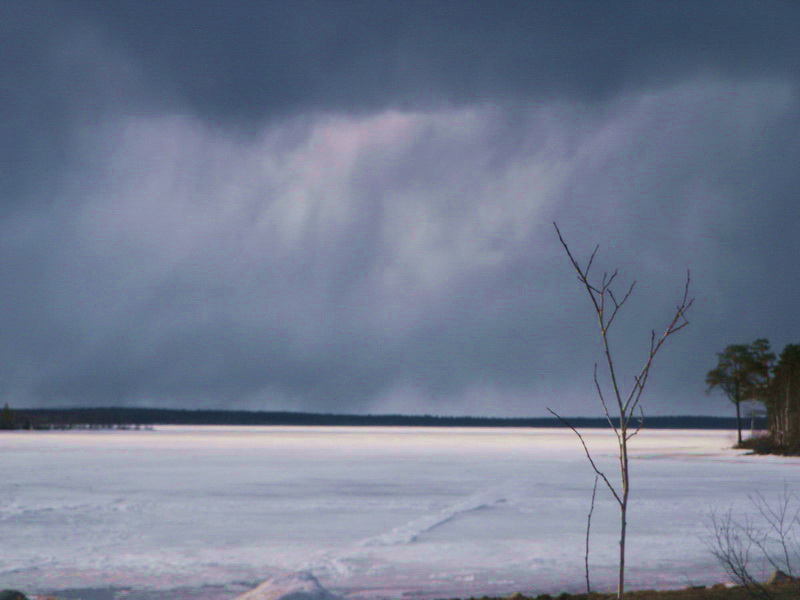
348 206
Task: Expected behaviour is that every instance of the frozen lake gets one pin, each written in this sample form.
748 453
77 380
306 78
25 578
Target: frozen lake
191 512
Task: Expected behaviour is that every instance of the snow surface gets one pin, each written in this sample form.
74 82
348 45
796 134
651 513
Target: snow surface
293 586
208 513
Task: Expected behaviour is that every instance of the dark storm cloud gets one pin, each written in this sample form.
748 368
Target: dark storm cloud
57 76
247 60
347 206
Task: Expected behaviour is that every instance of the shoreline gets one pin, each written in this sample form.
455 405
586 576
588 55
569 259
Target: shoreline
719 591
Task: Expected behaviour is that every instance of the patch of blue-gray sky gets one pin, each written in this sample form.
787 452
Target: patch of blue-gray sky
347 206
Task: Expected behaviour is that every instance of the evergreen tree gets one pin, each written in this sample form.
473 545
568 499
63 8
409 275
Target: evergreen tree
783 399
742 373
7 418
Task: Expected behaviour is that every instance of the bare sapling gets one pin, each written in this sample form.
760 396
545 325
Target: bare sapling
770 540
628 416
731 542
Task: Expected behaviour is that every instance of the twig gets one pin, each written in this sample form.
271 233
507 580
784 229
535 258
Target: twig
597 471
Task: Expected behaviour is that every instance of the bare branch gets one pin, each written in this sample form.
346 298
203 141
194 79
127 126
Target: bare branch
591 258
608 280
603 402
677 323
597 471
588 529
618 305
639 425
775 541
780 525
731 544
583 275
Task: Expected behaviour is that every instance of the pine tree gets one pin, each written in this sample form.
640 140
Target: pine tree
742 373
783 399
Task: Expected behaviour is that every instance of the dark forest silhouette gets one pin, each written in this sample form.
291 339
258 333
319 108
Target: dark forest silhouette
46 418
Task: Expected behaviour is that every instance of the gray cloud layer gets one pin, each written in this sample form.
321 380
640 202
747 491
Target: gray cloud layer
348 206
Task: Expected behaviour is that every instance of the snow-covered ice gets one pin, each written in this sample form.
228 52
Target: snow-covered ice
191 512
294 586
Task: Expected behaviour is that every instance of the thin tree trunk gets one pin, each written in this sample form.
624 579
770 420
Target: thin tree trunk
622 527
786 429
623 509
588 533
738 423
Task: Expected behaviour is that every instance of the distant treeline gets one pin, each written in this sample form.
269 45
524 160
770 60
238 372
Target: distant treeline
37 418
